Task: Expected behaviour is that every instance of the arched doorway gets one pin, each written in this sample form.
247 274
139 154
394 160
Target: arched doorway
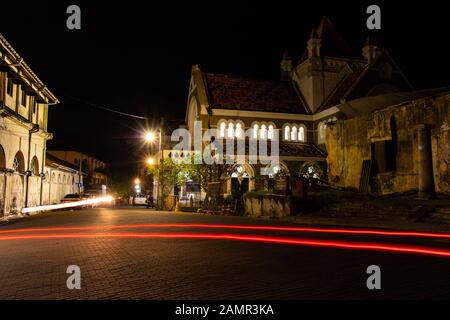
17 183
242 177
277 177
311 171
2 158
239 179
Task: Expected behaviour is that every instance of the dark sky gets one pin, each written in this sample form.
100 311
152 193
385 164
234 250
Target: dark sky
136 56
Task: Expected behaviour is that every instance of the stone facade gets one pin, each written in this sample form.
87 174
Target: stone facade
24 103
403 133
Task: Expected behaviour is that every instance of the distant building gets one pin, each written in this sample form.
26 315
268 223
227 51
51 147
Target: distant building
95 169
24 102
61 178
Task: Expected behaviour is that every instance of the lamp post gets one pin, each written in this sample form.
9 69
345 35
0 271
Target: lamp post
150 137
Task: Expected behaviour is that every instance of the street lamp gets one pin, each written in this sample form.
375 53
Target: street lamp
137 181
150 137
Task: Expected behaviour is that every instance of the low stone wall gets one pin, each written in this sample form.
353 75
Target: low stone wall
266 205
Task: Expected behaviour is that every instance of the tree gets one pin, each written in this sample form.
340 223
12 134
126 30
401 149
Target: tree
205 173
169 174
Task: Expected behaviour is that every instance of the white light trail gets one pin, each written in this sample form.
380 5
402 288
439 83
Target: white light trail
67 205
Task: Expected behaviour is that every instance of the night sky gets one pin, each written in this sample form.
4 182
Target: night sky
136 56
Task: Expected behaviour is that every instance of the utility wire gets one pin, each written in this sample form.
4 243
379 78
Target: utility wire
107 109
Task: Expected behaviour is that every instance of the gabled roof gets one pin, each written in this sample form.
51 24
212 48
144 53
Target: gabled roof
238 93
341 90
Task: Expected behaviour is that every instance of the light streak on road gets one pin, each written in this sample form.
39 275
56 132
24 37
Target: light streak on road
67 205
247 238
237 227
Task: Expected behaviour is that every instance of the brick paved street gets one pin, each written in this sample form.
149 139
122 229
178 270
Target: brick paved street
123 268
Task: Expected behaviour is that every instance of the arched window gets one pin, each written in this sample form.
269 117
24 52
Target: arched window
270 132
239 131
294 133
222 127
263 132
230 131
287 132
2 158
19 163
301 133
34 166
321 132
255 131
59 178
53 177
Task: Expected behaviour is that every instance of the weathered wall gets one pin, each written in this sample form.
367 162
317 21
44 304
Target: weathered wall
349 143
268 205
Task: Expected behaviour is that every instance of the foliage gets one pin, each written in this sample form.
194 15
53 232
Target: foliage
205 173
120 185
169 174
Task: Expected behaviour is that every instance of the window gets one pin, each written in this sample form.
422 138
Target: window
239 131
19 163
9 87
34 106
230 131
24 98
322 132
294 133
270 132
287 131
301 134
222 127
34 168
263 132
255 131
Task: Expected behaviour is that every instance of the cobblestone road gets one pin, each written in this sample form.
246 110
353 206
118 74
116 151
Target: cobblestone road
123 268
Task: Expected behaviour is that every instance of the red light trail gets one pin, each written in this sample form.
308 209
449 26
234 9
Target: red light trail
264 239
238 227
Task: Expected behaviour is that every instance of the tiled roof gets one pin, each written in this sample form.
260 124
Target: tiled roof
296 149
288 149
237 93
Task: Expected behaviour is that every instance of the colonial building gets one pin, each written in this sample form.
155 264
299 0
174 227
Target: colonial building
24 103
327 84
96 169
61 178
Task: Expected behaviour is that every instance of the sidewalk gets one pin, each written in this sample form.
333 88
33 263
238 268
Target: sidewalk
403 212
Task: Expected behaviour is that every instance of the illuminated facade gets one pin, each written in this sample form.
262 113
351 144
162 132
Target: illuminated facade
24 103
316 90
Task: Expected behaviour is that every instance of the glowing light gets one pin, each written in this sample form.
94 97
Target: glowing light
150 137
150 161
67 205
137 181
264 239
